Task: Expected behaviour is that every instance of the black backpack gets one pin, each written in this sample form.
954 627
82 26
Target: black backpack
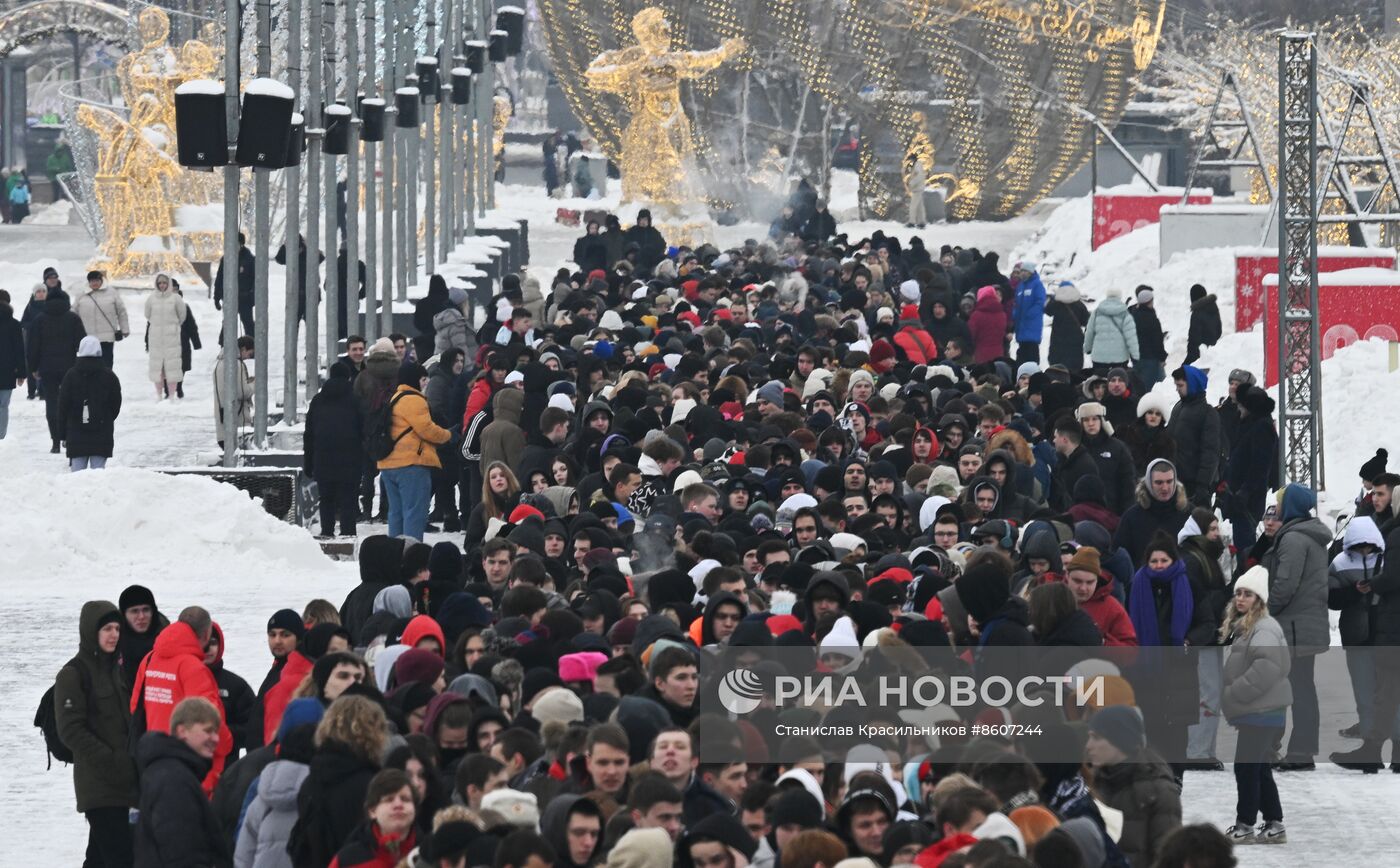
379 443
46 719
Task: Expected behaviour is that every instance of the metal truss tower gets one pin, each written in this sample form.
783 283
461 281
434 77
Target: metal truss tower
1224 124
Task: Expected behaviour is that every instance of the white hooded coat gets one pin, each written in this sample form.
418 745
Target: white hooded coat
165 312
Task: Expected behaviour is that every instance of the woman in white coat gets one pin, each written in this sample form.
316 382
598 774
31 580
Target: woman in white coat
165 313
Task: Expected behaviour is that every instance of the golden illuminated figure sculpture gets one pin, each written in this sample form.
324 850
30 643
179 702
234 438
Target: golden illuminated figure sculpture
658 156
141 190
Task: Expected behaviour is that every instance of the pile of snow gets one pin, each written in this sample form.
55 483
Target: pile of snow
59 213
87 536
1060 242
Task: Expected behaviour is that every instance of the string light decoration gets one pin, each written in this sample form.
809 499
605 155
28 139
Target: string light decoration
1003 84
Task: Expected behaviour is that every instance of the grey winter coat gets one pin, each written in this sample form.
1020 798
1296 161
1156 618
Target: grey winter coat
267 826
1297 565
452 333
1111 336
1256 672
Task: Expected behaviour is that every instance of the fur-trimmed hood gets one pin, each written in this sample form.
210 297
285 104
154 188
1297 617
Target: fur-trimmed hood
1014 443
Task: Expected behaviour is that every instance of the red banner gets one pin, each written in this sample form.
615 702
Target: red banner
1251 268
1118 214
1352 306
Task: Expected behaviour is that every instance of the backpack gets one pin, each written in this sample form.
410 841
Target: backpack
471 435
19 195
379 443
46 719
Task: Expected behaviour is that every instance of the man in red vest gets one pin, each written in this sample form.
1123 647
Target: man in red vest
175 670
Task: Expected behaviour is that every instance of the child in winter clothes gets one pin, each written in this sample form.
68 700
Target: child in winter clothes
1255 701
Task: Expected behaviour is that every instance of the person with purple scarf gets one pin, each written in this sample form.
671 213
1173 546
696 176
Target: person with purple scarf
1167 613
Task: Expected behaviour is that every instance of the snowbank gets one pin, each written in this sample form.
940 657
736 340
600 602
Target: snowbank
86 536
59 213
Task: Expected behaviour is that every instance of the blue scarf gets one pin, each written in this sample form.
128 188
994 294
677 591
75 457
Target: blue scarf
1142 604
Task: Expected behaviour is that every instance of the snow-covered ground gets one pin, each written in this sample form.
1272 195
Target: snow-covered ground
76 537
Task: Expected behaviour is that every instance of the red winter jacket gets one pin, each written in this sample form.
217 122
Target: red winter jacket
298 666
987 326
1110 616
478 399
173 671
917 344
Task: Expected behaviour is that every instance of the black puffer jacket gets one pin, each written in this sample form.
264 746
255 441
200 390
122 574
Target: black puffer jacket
1069 470
1076 629
379 568
89 401
330 804
90 704
54 338
1146 517
177 828
13 365
1116 469
1196 428
1151 338
333 446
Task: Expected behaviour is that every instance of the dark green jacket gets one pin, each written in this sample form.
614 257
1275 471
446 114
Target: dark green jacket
93 719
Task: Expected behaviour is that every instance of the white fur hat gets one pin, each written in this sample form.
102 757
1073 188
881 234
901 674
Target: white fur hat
909 290
1154 401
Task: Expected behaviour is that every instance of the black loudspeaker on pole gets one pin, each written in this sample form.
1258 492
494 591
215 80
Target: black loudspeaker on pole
296 141
476 56
201 124
406 101
461 86
511 19
265 124
429 82
337 137
497 51
371 120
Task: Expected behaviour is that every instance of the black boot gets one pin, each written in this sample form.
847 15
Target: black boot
179 390
54 449
1366 758
366 509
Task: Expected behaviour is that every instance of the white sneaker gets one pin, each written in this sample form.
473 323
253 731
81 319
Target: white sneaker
1272 832
1241 834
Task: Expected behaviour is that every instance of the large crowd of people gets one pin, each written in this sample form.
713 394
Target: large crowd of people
666 456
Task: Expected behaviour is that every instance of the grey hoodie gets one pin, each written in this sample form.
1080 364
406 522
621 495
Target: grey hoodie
267 826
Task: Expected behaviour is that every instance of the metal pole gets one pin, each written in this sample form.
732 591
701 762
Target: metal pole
408 184
262 229
390 143
333 195
447 110
429 143
311 280
290 401
414 144
352 172
232 368
488 111
371 186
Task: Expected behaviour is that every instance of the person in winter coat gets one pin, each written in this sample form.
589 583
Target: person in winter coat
1130 777
651 246
1203 552
573 826
1148 437
987 325
1091 503
944 324
1075 462
913 340
1160 505
1297 565
504 440
1152 341
1205 328
591 250
239 702
1195 426
450 329
50 285
1068 316
1252 465
347 302
94 722
243 389
1111 339
89 401
1351 594
425 311
103 314
388 834
333 449
247 264
820 225
272 812
1255 701
407 470
379 568
1113 458
350 743
311 284
1028 315
165 317
189 341
177 826
53 348
1057 620
142 622
14 367
374 386
175 670
1093 591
